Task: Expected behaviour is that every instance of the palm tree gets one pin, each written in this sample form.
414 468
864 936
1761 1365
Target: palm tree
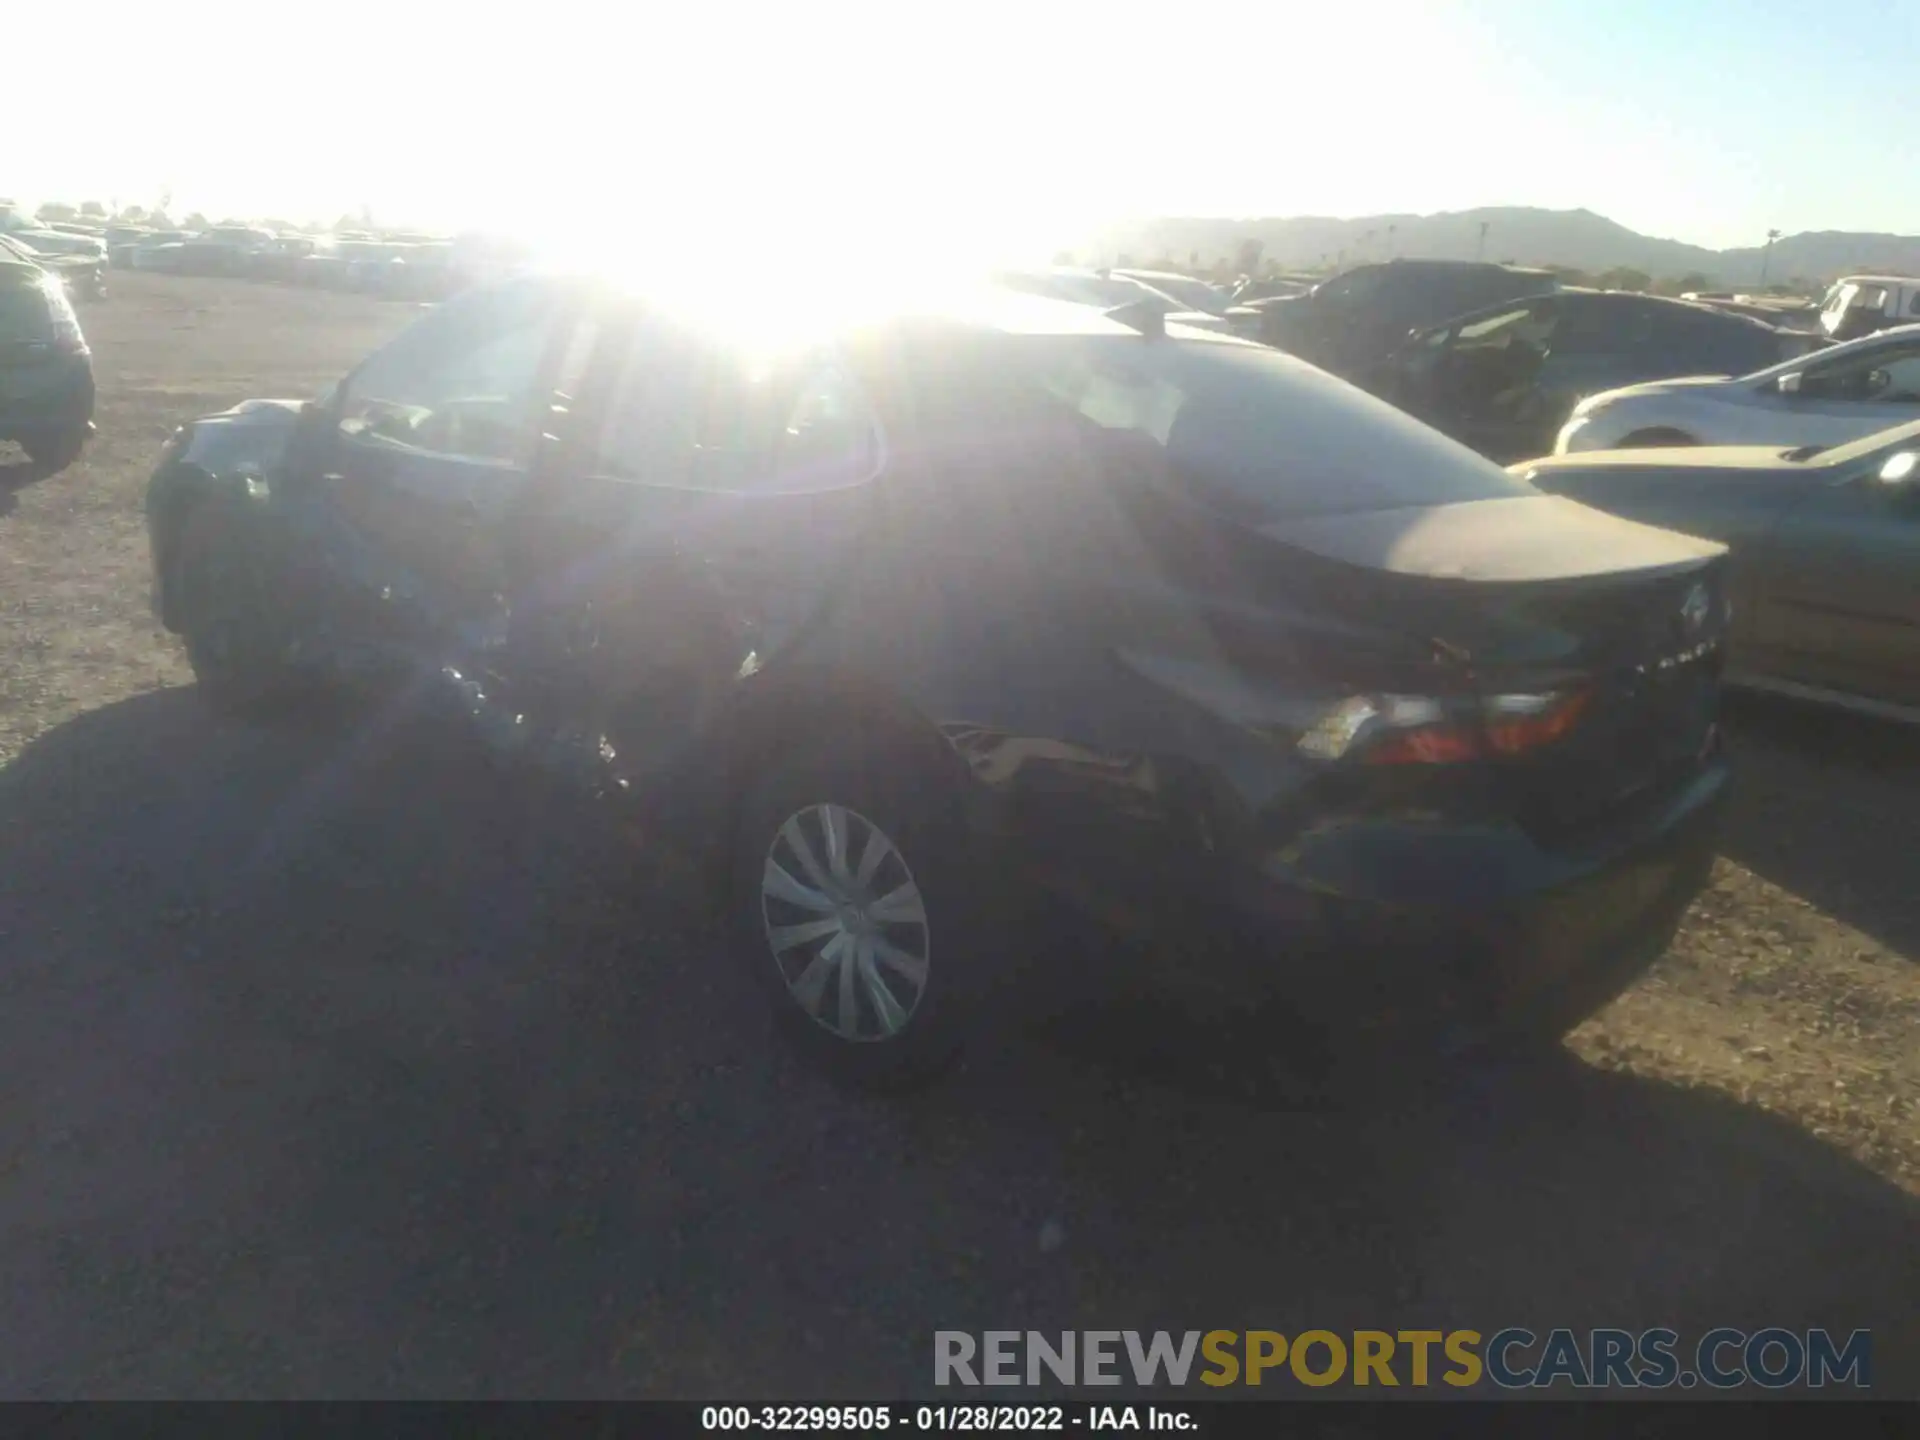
1766 256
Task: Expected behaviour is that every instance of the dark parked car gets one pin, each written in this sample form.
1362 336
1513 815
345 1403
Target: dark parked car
1108 290
886 625
1200 298
1350 324
1273 287
279 260
1825 550
1505 379
46 370
156 250
225 250
83 273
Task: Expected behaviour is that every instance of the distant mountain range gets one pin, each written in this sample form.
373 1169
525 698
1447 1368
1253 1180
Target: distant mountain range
1521 234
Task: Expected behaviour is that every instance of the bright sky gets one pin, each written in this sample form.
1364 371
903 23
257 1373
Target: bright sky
787 125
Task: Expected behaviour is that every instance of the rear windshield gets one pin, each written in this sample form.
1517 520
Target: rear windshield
1195 294
1256 432
25 311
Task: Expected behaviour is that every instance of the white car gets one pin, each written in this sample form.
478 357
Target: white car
1824 398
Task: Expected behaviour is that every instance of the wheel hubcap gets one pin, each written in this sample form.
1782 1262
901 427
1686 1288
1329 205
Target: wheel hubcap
845 922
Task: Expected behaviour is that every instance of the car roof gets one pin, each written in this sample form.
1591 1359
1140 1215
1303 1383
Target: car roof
968 305
18 273
1515 302
1414 262
1878 280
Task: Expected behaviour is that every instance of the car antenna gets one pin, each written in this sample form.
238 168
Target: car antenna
1141 315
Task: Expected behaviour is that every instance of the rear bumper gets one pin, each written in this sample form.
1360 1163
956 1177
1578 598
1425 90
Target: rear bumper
1452 937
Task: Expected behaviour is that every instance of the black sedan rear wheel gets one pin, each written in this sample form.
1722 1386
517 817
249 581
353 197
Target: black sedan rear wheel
55 450
856 909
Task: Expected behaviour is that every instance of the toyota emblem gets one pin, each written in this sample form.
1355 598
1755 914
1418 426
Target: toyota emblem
1695 609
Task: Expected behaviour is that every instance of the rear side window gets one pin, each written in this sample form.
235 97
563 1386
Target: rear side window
1498 329
1255 432
1356 287
1591 327
1712 344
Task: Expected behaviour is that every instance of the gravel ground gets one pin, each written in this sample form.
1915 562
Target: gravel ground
326 1072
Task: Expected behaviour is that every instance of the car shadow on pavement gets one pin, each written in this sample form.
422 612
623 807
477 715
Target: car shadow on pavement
16 474
1827 807
336 1070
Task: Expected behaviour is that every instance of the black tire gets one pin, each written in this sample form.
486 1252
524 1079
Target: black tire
55 450
234 624
1657 439
911 808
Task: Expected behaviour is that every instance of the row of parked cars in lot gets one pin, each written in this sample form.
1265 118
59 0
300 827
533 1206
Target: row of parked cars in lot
1006 595
399 265
1514 364
416 267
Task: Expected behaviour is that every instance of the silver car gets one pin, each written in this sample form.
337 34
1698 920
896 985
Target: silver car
1824 398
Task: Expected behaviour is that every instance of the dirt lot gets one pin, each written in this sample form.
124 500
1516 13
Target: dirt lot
327 1072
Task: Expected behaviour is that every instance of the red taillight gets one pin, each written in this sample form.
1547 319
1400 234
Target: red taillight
1405 730
1436 745
1516 734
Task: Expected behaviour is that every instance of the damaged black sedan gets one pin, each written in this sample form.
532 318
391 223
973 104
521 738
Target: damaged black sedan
889 624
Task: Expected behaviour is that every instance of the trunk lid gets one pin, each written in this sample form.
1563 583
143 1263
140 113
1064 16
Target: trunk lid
1507 600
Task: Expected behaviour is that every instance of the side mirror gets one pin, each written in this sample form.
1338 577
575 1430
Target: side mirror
1788 384
313 433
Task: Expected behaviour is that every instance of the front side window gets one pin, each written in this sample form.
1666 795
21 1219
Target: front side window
688 414
466 381
1896 379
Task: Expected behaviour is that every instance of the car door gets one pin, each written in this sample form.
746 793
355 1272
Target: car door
1595 343
434 435
710 505
1475 381
1326 326
1838 588
1841 397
